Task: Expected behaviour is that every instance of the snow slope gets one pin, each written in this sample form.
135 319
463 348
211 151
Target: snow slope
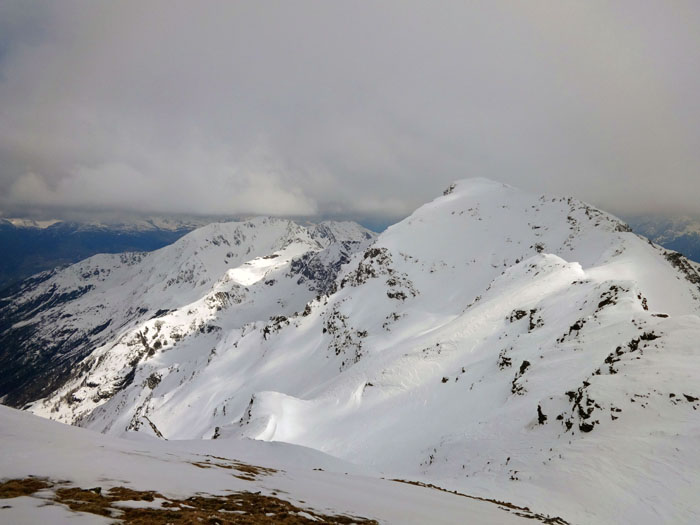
72 457
498 343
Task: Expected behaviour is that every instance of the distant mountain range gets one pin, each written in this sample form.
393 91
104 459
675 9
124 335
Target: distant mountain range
29 246
679 233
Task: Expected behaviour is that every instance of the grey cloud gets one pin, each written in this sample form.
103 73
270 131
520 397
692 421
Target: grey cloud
344 108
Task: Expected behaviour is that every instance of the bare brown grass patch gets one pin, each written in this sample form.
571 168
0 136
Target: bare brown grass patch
245 471
238 508
14 488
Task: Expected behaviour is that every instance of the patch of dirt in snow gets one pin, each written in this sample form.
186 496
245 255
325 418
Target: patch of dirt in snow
238 507
245 471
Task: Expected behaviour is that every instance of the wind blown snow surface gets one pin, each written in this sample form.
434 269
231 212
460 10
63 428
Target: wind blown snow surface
176 470
506 345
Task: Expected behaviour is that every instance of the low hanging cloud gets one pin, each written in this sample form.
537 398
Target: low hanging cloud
345 109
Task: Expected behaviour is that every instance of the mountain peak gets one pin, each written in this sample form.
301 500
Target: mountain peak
474 185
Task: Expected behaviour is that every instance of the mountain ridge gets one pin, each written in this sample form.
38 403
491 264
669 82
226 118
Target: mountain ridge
184 271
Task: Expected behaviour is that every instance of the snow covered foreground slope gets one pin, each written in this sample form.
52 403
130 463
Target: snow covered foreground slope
502 344
76 475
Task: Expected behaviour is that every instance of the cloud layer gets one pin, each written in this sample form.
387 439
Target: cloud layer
345 108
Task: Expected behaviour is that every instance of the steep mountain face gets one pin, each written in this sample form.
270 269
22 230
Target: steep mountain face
680 233
494 342
234 273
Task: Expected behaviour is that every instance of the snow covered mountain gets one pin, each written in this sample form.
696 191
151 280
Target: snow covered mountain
498 343
220 276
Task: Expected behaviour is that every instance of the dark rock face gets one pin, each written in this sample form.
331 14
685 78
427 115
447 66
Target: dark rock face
321 268
679 262
34 365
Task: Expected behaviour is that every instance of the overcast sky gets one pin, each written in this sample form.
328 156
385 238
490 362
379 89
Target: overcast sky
360 109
